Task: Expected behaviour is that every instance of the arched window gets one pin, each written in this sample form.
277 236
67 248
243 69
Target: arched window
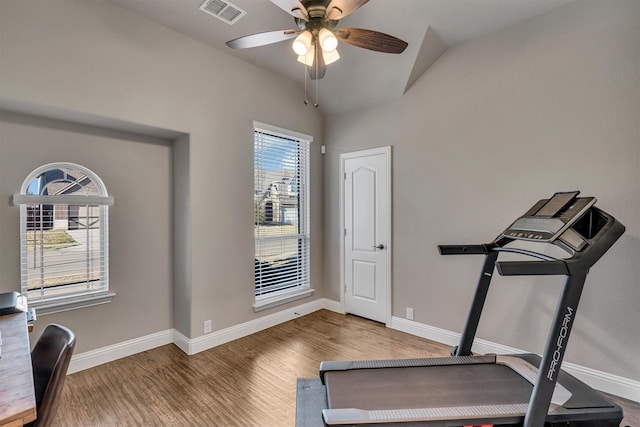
64 250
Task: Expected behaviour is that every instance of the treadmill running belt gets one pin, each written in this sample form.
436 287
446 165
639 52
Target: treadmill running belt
426 387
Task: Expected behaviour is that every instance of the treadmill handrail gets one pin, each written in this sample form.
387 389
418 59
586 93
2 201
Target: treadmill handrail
548 266
463 249
532 268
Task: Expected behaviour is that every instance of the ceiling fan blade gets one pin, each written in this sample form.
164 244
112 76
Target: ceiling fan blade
261 39
338 9
372 40
292 7
319 68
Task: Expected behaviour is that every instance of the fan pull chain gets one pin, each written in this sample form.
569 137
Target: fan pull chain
316 104
315 63
304 76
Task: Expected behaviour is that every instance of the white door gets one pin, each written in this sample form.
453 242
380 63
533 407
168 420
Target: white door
367 233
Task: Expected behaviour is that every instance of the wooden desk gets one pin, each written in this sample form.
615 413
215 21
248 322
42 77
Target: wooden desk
17 396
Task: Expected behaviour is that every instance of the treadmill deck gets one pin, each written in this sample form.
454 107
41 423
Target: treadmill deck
482 393
426 387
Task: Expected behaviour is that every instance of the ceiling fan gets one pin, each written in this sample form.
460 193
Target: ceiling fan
316 34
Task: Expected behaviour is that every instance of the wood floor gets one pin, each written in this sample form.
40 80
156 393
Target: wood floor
247 382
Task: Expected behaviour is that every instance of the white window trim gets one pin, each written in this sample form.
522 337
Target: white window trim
275 299
270 301
25 199
284 133
73 302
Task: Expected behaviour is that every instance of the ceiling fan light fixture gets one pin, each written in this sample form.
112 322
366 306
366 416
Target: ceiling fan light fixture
309 57
316 33
328 40
331 56
302 43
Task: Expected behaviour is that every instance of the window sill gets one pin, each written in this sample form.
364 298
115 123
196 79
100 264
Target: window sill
266 303
58 306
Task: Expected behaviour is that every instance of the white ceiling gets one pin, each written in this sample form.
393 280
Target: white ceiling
361 77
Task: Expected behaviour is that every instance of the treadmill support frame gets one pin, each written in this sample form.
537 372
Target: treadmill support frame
554 350
482 289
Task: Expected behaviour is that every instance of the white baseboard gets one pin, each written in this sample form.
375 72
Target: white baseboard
609 383
89 359
331 305
425 331
205 342
110 353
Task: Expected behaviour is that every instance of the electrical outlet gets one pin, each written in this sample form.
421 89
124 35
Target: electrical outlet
409 313
207 326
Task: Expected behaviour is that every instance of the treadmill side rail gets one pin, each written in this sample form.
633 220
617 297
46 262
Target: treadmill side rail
529 372
506 414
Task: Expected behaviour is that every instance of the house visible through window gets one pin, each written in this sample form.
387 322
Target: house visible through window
64 237
281 214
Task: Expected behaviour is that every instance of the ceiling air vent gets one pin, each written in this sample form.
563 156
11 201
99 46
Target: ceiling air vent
223 10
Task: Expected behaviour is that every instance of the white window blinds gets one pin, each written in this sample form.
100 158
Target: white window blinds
281 213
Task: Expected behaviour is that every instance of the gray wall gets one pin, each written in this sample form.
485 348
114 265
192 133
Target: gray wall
552 104
137 171
94 61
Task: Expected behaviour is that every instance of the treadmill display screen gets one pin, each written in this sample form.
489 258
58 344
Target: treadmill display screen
548 219
556 203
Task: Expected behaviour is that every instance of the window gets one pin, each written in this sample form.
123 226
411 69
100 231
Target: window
64 238
281 215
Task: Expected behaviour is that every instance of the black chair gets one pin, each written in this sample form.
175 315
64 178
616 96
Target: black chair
50 359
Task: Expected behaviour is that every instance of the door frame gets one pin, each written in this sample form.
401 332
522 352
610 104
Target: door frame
388 241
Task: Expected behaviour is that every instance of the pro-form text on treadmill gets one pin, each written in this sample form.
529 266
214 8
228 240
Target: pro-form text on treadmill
564 331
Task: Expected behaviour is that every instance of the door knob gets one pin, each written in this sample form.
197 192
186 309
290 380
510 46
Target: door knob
380 246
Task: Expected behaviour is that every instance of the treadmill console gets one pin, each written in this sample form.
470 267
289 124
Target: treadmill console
550 219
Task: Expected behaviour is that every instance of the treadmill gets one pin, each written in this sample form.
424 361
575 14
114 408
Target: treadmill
470 390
